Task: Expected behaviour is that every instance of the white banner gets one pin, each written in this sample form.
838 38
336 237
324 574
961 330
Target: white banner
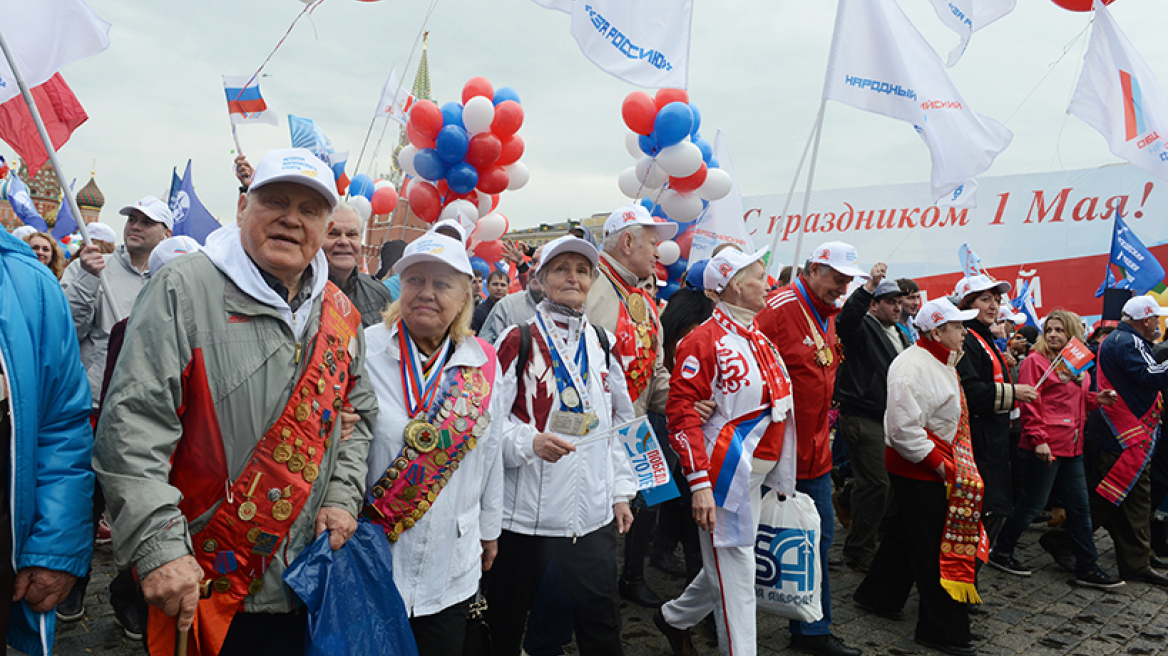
722 221
396 100
44 36
968 16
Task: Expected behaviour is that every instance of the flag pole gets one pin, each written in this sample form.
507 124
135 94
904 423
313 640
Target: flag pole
235 138
807 192
52 152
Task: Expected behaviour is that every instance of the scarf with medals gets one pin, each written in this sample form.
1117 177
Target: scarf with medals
636 330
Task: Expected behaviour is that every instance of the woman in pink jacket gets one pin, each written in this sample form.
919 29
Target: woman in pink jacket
1052 451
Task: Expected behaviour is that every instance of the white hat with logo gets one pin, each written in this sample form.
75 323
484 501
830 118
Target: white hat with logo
154 209
939 312
728 262
170 248
296 165
568 244
102 232
631 215
1142 307
978 284
433 247
839 256
454 225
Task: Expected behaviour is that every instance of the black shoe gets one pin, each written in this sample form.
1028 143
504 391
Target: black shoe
131 619
824 645
72 608
1097 578
1158 563
1008 564
639 593
1061 554
1041 518
957 649
1150 576
834 562
668 563
894 614
679 640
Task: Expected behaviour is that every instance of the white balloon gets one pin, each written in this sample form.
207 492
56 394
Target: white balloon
680 160
364 207
649 174
405 159
681 207
633 145
668 252
628 182
478 114
382 184
716 186
485 202
518 175
460 208
491 227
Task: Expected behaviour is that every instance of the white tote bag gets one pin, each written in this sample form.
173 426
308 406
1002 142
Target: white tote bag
787 579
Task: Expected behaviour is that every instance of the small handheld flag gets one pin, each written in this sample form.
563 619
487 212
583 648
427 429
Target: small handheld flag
244 102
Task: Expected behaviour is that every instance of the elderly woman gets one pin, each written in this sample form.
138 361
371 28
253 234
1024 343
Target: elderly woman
748 441
934 536
568 481
435 482
991 393
48 252
1052 451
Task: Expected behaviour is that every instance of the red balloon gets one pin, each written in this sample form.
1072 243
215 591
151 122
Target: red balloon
491 251
660 271
508 118
417 139
684 241
426 118
484 150
1079 5
666 96
405 188
424 202
493 180
477 86
512 150
384 200
471 195
494 201
689 183
639 112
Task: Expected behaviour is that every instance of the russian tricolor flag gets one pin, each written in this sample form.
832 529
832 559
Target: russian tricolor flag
244 102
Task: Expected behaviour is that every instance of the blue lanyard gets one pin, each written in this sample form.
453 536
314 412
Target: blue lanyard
806 299
563 377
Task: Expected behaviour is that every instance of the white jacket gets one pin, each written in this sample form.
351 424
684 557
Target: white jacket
437 563
923 393
574 496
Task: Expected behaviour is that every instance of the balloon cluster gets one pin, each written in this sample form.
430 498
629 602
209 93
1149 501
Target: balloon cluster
675 166
461 157
372 196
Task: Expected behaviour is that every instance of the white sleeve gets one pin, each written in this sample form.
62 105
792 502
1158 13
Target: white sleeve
515 437
624 483
904 419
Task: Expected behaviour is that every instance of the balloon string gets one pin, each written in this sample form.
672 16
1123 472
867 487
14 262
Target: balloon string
308 9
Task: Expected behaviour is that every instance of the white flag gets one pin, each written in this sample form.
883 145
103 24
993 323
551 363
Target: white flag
968 16
723 221
396 100
45 36
643 42
881 63
1119 96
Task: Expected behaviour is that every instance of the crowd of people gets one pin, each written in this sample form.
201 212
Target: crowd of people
212 410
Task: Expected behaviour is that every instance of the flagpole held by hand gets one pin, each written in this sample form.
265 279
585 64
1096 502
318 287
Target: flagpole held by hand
235 138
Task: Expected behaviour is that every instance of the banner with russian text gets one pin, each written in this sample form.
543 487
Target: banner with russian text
650 468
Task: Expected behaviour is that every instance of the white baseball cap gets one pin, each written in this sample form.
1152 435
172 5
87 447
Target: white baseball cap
723 266
939 312
1142 307
631 215
170 248
568 244
839 256
453 225
20 232
154 209
978 284
296 165
433 247
101 232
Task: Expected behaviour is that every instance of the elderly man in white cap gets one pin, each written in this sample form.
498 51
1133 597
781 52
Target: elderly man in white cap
219 447
799 321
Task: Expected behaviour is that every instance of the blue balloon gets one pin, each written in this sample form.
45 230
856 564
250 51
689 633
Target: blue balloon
673 124
706 148
677 268
660 211
670 288
480 265
503 94
648 204
452 114
462 178
451 144
429 165
361 185
713 163
649 145
697 121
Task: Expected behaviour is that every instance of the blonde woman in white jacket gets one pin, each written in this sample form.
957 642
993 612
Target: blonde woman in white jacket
567 485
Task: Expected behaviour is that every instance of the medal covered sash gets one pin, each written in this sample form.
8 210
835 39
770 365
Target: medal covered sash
964 541
1135 435
824 356
636 332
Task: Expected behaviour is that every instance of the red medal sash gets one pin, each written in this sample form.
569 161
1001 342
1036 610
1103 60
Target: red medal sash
1135 437
636 336
964 540
995 358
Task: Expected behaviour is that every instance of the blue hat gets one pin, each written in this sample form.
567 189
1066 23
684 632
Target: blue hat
695 277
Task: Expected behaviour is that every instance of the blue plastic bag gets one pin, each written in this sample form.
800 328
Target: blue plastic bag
354 607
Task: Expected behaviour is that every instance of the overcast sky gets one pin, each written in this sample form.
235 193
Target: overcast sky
155 97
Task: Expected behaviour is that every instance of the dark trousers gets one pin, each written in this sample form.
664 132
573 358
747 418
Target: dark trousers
549 625
910 553
871 490
442 633
265 634
587 569
1066 479
1129 523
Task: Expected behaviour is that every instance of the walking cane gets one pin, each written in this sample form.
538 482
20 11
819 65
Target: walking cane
181 639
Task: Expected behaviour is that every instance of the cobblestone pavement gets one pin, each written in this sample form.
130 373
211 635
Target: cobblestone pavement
1038 615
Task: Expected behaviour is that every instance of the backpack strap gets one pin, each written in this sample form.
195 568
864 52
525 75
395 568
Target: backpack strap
603 337
524 349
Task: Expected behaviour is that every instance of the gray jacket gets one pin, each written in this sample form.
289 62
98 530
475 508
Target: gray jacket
249 352
94 315
511 310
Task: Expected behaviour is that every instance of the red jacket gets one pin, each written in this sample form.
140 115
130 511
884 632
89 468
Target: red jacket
1059 415
785 324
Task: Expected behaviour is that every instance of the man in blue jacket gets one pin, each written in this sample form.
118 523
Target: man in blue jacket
45 450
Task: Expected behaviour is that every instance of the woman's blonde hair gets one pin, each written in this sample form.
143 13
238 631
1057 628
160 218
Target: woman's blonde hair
57 260
1072 325
459 328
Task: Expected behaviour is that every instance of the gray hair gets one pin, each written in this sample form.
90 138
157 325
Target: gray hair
349 206
612 241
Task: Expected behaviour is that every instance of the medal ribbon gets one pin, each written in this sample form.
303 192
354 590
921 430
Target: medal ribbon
417 373
995 358
578 374
802 293
964 540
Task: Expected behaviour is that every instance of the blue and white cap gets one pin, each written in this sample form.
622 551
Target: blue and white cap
433 247
296 165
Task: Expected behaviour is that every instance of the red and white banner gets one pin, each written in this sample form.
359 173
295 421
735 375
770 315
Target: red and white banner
1051 229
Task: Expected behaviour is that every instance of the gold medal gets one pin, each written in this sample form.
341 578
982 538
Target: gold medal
320 386
255 586
409 493
440 458
247 511
471 443
408 522
311 472
210 546
638 311
281 510
378 491
302 412
430 496
222 584
282 453
424 505
823 356
421 435
297 462
391 536
253 534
